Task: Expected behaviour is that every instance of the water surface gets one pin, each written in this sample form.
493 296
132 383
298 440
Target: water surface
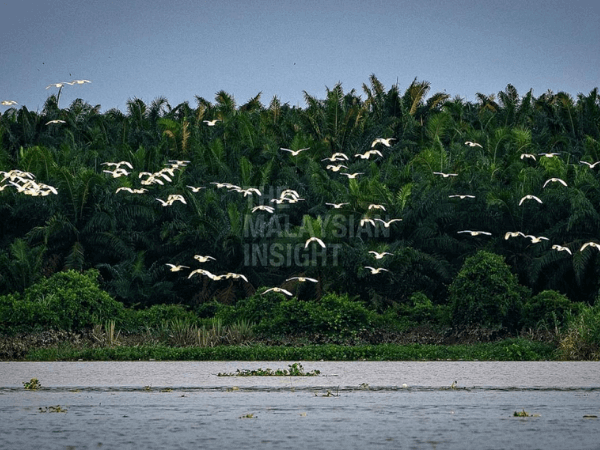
350 405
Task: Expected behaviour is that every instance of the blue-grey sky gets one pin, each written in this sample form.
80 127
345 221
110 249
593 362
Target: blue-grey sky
185 48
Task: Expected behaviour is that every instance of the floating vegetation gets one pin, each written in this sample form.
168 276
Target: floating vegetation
295 370
32 385
453 387
328 393
248 416
590 416
53 409
524 413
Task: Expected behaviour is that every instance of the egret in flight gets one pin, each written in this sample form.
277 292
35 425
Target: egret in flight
530 197
384 141
314 239
388 223
375 271
475 233
590 165
378 255
294 152
590 244
303 279
203 259
176 268
560 248
551 180
276 289
446 175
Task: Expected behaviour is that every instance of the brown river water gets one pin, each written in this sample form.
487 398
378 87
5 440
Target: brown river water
348 405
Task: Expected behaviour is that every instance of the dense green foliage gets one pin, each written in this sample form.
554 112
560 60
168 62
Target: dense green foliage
436 274
275 315
508 350
486 294
65 301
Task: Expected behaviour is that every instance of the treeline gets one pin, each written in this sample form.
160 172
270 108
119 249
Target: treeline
129 238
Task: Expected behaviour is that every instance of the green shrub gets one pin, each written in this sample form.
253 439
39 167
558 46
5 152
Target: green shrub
66 301
548 310
581 341
332 315
251 309
486 294
157 316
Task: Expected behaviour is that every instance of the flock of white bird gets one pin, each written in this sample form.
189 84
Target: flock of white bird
24 183
287 196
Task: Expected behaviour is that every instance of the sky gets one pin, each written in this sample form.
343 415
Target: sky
181 49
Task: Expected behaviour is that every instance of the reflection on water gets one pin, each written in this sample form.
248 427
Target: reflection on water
352 405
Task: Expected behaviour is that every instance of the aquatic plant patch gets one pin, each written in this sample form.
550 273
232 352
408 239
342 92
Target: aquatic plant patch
294 370
32 385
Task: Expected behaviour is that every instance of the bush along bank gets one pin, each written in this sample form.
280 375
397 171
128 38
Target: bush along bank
69 316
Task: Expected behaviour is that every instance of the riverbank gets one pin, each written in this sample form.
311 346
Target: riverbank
514 349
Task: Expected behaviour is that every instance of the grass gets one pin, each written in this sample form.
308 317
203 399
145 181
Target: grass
508 350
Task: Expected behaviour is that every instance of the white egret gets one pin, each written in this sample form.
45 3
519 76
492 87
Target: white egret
374 206
211 123
133 191
549 155
335 168
513 234
590 165
294 152
528 155
55 121
276 289
118 165
560 248
314 239
336 205
58 85
554 180
9 102
176 268
530 197
302 279
365 220
203 272
266 208
388 223
446 175
536 240
384 141
235 276
379 255
352 175
590 244
475 233
461 196
117 172
473 144
203 259
375 271
368 154
196 189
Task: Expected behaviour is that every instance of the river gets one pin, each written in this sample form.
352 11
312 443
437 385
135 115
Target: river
348 405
